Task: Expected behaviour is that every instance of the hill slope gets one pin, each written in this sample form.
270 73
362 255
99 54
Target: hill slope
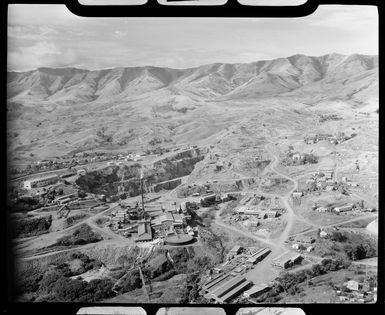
55 111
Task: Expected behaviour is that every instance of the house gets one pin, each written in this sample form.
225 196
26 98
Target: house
322 209
344 298
358 295
297 194
323 234
343 208
305 239
310 249
352 285
81 171
225 197
297 156
272 214
295 246
183 207
235 250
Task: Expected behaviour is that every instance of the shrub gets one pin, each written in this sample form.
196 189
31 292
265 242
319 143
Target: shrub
82 235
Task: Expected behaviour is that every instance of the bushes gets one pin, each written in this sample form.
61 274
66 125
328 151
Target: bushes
131 282
359 251
289 282
309 159
32 226
56 286
82 235
25 204
61 289
87 262
338 237
165 276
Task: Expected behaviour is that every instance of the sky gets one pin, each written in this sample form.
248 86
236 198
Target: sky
51 36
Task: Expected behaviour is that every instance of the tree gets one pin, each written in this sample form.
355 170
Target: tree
338 237
81 194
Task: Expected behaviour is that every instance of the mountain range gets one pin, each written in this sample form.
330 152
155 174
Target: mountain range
298 73
70 106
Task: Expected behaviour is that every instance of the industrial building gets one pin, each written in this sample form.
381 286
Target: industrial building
120 216
272 214
144 232
256 290
41 182
258 256
216 282
235 250
287 260
229 290
168 220
209 199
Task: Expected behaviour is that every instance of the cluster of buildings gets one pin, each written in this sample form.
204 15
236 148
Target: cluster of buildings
303 243
260 214
322 180
297 158
169 223
252 216
224 288
356 207
337 138
228 282
120 159
356 292
349 182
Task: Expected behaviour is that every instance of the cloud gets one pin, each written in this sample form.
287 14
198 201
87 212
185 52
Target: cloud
119 34
31 32
42 54
54 37
344 17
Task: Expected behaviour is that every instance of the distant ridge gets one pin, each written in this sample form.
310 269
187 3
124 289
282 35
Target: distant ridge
241 80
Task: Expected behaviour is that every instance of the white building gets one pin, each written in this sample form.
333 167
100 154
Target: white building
41 182
323 234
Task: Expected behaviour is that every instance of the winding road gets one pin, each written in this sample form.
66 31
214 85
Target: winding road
263 272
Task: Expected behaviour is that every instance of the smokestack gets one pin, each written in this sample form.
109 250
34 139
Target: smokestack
141 185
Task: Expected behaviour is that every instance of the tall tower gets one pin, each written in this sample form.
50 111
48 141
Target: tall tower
141 186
